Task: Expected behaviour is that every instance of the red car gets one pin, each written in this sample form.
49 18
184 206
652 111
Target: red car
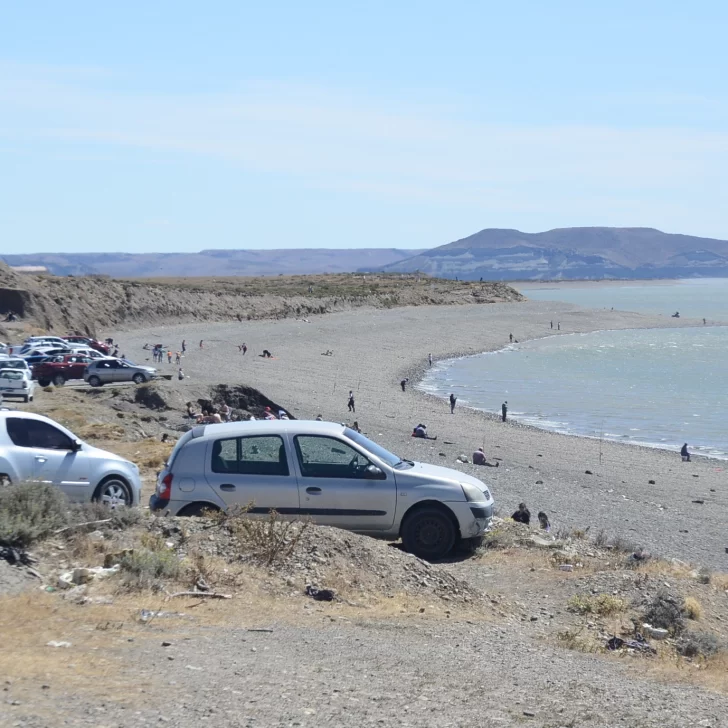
88 341
60 369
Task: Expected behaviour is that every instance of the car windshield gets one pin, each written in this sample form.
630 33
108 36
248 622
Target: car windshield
12 364
391 459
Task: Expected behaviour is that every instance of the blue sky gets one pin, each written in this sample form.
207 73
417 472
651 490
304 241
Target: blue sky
180 126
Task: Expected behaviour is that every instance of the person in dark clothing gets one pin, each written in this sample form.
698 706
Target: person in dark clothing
403 384
543 521
421 432
266 354
511 337
685 454
453 401
351 401
522 515
504 410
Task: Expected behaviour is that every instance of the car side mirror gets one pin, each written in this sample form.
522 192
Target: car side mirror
75 445
372 472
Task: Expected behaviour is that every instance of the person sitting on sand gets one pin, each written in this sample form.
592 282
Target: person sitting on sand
479 459
191 412
684 453
319 418
522 515
355 427
225 412
266 354
421 432
282 415
543 521
268 414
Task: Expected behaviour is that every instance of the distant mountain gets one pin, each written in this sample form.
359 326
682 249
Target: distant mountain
571 253
213 262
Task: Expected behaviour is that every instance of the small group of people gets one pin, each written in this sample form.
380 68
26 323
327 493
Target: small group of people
523 515
209 415
268 414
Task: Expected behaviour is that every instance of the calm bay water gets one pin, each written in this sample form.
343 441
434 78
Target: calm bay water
649 387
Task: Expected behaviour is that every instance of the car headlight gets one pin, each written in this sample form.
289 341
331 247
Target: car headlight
474 494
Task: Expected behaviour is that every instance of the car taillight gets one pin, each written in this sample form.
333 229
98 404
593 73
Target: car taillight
164 491
25 384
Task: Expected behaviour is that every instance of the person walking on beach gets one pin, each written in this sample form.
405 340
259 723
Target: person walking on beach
178 358
510 336
453 400
558 326
504 410
169 357
429 356
403 383
350 403
184 346
180 374
684 453
552 324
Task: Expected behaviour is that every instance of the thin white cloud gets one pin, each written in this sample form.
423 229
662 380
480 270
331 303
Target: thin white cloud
381 148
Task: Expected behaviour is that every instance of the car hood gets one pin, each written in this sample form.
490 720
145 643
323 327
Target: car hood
98 452
426 473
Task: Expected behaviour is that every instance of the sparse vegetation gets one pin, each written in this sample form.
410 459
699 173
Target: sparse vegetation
693 608
603 605
665 611
698 644
144 568
30 512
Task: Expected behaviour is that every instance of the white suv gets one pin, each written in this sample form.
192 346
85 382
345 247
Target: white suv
35 448
326 472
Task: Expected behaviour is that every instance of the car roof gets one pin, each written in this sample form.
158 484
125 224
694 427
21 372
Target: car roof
268 427
4 414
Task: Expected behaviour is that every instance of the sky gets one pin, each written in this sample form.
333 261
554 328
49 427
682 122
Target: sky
181 126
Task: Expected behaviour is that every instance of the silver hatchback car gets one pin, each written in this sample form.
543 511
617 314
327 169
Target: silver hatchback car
326 472
106 371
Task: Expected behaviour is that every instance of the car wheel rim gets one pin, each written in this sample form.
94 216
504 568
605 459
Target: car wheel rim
114 494
430 535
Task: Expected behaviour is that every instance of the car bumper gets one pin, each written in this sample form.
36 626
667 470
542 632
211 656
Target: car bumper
473 518
157 504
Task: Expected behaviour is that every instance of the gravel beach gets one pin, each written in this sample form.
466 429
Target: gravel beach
373 350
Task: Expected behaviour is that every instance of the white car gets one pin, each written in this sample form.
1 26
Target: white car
35 448
326 472
14 362
17 383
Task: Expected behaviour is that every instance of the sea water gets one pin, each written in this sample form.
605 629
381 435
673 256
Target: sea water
654 387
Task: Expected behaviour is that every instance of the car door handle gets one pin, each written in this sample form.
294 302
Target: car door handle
40 458
313 490
227 486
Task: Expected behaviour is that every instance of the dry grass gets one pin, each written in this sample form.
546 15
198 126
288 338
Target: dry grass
693 608
603 605
720 582
150 454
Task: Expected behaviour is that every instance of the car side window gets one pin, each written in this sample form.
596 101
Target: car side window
327 457
32 433
255 455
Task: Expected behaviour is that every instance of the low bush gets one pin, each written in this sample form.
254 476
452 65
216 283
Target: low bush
602 604
693 608
144 568
698 644
120 517
30 512
665 611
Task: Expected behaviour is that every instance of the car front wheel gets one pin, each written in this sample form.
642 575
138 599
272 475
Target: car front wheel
113 492
138 379
428 533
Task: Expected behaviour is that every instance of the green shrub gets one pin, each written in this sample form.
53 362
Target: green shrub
601 604
144 568
30 512
698 644
666 611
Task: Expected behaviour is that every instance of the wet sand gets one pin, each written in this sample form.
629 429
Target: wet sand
375 349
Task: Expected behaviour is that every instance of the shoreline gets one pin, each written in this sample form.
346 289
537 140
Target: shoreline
637 493
420 373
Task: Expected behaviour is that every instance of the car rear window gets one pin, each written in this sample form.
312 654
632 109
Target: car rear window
10 374
255 455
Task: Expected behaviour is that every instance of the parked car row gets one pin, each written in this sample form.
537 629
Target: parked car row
318 470
56 360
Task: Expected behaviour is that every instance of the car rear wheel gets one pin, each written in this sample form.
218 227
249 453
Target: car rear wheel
114 492
428 533
59 380
94 381
196 510
138 379
44 382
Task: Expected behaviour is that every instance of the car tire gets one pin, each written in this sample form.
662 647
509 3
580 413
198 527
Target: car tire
44 382
138 379
469 545
94 381
197 510
26 399
113 491
59 380
429 533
